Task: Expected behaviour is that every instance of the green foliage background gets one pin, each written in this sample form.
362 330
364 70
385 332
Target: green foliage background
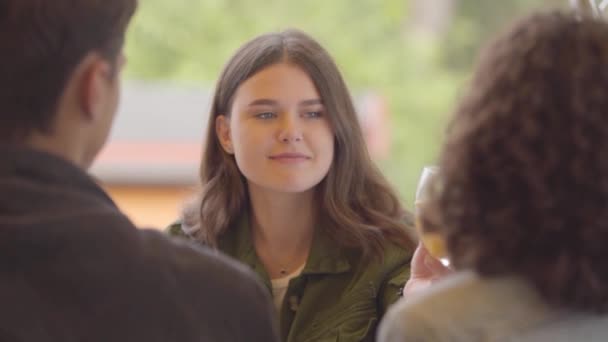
187 41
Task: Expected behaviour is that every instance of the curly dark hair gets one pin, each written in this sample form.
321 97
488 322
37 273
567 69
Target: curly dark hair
523 183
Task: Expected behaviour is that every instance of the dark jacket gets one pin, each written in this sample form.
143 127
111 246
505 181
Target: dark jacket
339 296
73 268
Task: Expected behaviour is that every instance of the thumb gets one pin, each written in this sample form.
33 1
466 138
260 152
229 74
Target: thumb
425 266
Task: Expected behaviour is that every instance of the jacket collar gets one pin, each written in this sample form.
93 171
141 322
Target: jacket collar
325 257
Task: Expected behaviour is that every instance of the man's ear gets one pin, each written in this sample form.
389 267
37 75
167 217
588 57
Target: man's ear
94 85
222 130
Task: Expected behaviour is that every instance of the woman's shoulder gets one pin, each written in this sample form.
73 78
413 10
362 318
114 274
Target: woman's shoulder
444 293
425 315
394 261
175 230
464 305
392 265
180 230
394 253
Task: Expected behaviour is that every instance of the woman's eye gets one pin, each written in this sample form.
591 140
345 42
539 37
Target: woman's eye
265 115
313 114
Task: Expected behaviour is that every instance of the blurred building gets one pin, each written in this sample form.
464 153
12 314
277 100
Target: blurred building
150 164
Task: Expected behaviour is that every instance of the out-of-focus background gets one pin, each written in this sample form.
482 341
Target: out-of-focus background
406 61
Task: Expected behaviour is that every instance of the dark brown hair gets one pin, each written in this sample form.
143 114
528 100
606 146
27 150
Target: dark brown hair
524 172
42 42
362 209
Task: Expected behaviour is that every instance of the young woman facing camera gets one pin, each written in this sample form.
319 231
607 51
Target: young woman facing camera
288 188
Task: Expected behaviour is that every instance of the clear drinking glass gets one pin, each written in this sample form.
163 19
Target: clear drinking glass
434 242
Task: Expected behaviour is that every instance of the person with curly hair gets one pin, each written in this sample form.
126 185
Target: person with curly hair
522 195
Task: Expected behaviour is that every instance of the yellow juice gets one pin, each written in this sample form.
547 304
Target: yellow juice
434 242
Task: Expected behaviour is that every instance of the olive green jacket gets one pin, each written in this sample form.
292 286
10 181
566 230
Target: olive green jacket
339 296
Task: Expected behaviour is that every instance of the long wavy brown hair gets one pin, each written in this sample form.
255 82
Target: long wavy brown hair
524 169
356 202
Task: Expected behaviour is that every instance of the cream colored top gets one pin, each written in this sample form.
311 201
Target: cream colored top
280 285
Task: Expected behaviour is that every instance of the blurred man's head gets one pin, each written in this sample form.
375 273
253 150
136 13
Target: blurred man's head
59 73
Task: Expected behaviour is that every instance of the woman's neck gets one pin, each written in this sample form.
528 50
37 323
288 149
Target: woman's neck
282 228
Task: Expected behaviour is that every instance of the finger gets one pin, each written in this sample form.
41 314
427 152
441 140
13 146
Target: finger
435 267
418 264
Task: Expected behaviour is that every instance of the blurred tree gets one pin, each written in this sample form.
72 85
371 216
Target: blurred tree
431 17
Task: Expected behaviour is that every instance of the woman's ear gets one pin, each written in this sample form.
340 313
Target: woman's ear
222 129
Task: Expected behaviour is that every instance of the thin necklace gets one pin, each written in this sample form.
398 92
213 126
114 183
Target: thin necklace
284 268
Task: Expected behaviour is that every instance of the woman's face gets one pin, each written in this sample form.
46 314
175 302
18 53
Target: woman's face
278 130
